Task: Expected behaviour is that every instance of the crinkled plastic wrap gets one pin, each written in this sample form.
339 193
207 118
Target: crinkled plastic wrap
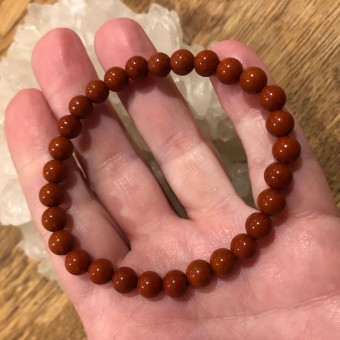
85 17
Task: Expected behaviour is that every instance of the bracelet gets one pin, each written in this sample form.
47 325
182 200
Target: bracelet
258 225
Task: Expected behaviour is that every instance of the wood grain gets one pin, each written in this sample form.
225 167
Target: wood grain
299 40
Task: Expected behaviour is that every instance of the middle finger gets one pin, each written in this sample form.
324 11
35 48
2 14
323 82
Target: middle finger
167 125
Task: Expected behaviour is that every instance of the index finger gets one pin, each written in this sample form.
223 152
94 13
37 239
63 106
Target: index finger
249 119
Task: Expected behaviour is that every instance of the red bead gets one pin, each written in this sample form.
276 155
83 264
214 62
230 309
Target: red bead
286 149
271 202
229 71
273 98
51 194
159 65
258 225
243 246
55 171
77 262
100 271
278 175
60 242
149 284
223 262
280 123
199 273
80 107
137 67
206 62
116 79
124 280
97 91
69 126
253 80
54 218
60 148
182 62
175 283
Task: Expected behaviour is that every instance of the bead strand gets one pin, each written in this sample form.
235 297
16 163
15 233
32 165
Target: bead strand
223 261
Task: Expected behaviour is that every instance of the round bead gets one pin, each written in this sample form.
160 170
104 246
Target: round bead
60 242
258 225
175 283
229 70
149 284
54 218
271 202
69 126
97 91
253 80
80 107
182 62
51 194
243 246
206 62
278 175
55 171
100 271
280 123
272 98
199 273
60 148
136 67
159 65
223 262
77 262
116 79
286 149
124 280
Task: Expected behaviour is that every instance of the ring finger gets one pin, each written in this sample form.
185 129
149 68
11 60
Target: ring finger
119 177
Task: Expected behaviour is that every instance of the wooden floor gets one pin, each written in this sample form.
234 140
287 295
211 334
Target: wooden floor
298 39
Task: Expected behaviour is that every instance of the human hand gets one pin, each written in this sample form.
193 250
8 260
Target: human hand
291 289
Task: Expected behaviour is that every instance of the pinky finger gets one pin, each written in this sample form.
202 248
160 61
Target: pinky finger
29 127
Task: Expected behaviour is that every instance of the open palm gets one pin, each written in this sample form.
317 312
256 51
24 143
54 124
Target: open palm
291 290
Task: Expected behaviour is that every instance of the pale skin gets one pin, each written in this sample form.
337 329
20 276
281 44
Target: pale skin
291 290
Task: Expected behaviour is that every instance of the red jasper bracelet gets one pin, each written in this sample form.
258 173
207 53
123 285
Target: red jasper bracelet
258 225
